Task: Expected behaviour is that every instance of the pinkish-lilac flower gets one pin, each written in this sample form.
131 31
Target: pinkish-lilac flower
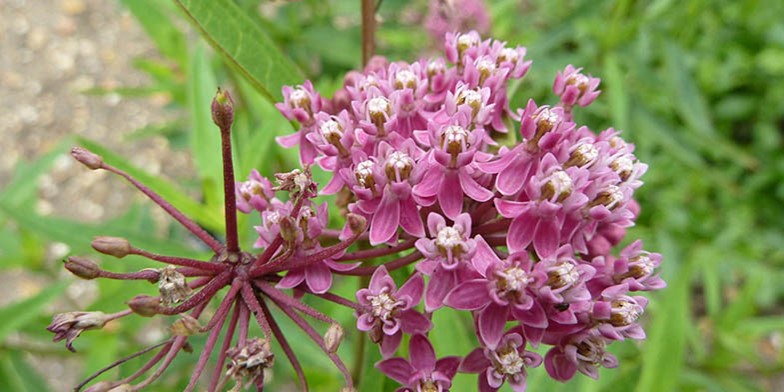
508 362
388 312
507 288
617 313
300 104
584 352
445 16
423 373
254 194
576 88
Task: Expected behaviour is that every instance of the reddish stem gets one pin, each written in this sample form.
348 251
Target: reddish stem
253 304
202 296
181 261
216 374
391 266
244 324
284 299
339 300
372 253
186 222
230 202
284 344
492 227
368 30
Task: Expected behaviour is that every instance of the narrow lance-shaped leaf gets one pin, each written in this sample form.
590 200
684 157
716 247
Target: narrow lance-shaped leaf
243 44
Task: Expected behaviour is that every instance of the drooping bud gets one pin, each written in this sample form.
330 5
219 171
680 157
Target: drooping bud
145 305
357 223
186 325
333 337
113 246
172 286
82 267
70 325
223 109
86 157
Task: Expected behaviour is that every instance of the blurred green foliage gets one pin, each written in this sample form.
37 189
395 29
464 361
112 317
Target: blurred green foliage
695 84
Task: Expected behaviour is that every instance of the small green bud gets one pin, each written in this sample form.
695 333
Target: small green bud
223 109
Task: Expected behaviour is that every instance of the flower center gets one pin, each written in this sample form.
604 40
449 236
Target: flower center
300 98
405 79
250 188
364 174
624 166
508 361
379 109
640 265
578 80
558 186
591 350
563 274
508 54
514 279
546 121
624 312
464 42
486 67
471 98
398 166
583 155
428 385
383 305
611 197
449 239
331 131
435 67
454 140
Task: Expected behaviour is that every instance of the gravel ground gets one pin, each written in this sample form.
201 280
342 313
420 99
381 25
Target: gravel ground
52 51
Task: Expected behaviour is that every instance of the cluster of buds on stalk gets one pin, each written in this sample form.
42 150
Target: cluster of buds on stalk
520 236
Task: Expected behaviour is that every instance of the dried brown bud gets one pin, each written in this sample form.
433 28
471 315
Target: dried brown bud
288 229
172 286
70 325
186 325
145 305
333 337
87 158
223 109
82 267
297 182
113 246
250 360
357 223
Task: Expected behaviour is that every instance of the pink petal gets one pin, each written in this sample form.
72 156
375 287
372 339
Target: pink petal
413 288
385 220
491 324
288 140
472 188
430 183
484 256
380 279
412 322
441 282
448 366
318 278
475 362
511 179
547 237
521 232
390 343
511 209
558 366
450 196
469 295
292 279
423 357
397 369
410 219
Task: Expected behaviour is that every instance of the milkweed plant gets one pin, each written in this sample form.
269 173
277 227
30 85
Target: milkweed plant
511 215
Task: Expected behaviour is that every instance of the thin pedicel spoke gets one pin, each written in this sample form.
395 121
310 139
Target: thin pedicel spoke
284 344
371 253
216 374
391 266
186 222
200 297
249 296
181 261
120 362
281 297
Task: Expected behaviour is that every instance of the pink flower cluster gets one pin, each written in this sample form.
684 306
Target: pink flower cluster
521 235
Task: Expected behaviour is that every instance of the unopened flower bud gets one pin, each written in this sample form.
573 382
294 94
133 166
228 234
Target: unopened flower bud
357 223
145 305
86 157
172 286
82 267
70 325
123 388
333 337
113 246
223 109
250 360
186 325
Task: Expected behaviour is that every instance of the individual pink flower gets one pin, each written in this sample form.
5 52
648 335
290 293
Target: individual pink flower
388 312
507 361
618 313
254 194
584 352
576 88
423 372
635 267
300 104
507 288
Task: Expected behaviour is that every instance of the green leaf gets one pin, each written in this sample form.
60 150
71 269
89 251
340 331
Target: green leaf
18 375
616 91
24 185
166 36
233 34
19 314
205 137
208 217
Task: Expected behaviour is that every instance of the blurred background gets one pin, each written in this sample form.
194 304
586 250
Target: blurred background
696 85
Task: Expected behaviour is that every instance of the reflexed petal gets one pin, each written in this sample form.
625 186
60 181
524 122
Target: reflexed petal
472 188
547 237
390 343
558 366
386 220
423 356
318 278
450 196
469 295
397 369
412 322
292 279
410 220
475 362
491 324
413 288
